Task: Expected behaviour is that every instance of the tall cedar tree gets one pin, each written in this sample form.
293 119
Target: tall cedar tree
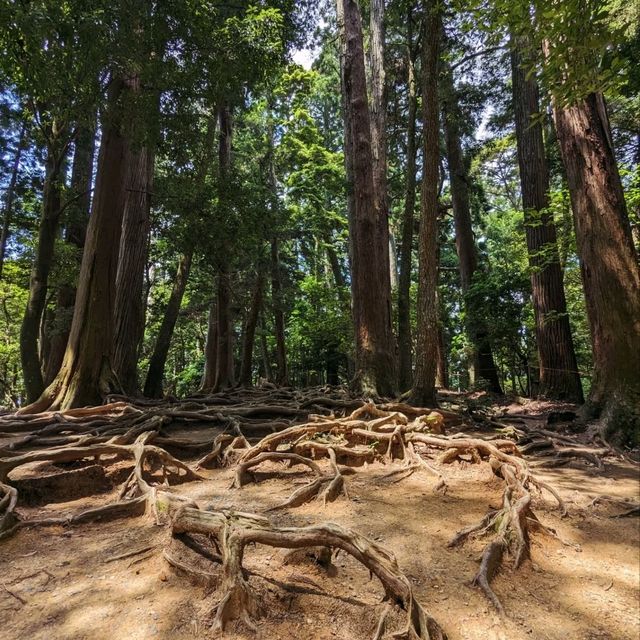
559 377
484 367
368 226
423 392
132 258
86 375
608 263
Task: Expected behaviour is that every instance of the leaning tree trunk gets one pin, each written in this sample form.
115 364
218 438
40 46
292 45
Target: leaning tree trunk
10 194
77 218
86 375
132 259
559 377
608 261
423 392
38 282
250 332
155 374
484 367
368 226
405 377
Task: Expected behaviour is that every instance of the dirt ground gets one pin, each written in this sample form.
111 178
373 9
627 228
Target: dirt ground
84 583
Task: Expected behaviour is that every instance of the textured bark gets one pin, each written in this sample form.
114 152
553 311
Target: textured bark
155 375
608 261
250 332
406 247
211 350
224 356
86 376
442 371
483 363
77 215
423 392
10 194
132 259
38 282
379 122
368 226
224 353
282 374
559 377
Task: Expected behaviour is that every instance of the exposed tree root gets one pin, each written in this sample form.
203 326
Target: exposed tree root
233 531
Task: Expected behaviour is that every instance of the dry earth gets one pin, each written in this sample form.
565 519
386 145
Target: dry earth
72 584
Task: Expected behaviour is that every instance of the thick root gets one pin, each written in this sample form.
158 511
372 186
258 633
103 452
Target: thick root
233 531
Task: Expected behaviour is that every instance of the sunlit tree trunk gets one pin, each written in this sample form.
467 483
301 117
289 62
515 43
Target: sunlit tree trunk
282 374
559 377
77 218
483 363
368 226
423 392
86 375
608 261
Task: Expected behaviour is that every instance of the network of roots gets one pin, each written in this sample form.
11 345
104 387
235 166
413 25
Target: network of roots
325 431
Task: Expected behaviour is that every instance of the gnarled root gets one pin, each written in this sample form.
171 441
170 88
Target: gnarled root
233 531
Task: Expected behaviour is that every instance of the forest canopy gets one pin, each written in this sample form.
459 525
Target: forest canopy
440 194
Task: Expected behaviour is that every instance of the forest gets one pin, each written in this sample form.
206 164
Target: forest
321 319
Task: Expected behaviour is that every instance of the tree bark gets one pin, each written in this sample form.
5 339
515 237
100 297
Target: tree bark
132 258
224 353
282 374
406 246
250 332
423 392
10 194
559 377
39 279
155 375
77 216
368 225
86 375
608 261
482 362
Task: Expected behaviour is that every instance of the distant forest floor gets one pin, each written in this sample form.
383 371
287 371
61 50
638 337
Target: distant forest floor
463 492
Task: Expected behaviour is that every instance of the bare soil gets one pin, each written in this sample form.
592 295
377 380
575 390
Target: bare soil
104 581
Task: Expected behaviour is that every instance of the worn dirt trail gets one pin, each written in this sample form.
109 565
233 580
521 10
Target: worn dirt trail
58 583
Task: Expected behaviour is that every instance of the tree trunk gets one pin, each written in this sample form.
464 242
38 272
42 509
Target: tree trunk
155 375
38 282
559 377
10 194
282 376
86 376
264 348
132 259
483 364
77 216
423 392
442 371
368 225
224 355
608 261
211 351
250 332
406 246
